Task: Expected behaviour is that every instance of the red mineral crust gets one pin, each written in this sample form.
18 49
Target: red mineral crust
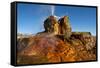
56 44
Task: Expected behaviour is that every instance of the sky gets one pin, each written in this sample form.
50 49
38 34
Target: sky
30 17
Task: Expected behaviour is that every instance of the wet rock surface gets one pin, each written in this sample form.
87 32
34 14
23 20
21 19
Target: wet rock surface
46 48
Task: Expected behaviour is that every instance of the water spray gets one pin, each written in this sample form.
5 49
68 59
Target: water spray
52 10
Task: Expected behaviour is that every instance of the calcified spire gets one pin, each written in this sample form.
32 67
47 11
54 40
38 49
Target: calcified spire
52 10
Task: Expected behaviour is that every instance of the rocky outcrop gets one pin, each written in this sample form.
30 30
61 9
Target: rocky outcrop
51 25
61 26
56 44
64 26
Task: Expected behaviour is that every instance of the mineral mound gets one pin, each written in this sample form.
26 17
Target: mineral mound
56 44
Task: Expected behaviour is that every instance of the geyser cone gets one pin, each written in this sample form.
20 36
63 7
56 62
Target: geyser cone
51 25
65 27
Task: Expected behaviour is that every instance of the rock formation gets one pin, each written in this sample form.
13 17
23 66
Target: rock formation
56 44
51 25
61 26
64 25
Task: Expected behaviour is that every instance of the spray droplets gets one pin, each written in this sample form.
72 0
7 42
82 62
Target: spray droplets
52 10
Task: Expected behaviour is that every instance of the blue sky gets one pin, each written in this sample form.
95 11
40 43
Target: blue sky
30 17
